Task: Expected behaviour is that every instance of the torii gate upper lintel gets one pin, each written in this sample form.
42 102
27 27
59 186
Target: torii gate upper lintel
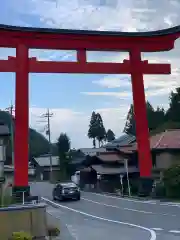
23 39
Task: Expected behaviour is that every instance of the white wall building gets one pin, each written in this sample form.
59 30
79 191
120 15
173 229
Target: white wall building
92 151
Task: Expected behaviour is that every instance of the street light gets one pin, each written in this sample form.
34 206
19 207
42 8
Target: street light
4 132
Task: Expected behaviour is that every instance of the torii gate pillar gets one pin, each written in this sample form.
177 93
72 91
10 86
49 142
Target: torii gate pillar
21 143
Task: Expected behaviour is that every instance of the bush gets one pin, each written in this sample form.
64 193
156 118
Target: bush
134 185
159 191
171 179
53 231
21 236
6 200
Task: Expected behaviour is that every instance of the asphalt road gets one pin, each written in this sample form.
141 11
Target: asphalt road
98 216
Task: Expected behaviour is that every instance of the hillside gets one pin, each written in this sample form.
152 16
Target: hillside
38 144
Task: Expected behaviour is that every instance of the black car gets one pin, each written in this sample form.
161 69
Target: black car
68 190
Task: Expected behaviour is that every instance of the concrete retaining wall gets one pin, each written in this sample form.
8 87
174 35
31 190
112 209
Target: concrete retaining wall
28 218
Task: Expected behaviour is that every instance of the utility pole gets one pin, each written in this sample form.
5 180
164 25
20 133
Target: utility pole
48 115
127 175
11 110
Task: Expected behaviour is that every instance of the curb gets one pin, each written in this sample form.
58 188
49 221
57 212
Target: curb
168 201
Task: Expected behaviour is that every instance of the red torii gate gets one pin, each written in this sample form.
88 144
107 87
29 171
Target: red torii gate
23 39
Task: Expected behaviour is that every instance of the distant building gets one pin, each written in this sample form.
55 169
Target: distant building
92 151
42 166
165 150
123 140
9 173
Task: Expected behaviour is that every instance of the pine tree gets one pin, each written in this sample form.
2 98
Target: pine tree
110 136
92 132
96 129
173 113
130 125
154 119
63 145
101 132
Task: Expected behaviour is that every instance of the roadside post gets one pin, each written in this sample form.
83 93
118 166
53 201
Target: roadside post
122 187
127 175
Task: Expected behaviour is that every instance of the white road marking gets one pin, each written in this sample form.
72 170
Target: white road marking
128 209
157 229
174 231
152 202
152 232
170 204
120 198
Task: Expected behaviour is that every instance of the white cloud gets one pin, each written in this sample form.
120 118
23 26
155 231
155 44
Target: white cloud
113 81
155 85
109 94
75 124
132 15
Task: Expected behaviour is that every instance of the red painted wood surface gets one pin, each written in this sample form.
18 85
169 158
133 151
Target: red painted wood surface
81 42
34 39
140 113
21 144
83 67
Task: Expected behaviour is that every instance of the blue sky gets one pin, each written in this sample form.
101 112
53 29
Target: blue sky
73 97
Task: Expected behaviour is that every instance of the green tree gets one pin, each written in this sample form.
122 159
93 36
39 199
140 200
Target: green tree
173 113
101 131
92 132
38 144
110 136
159 116
130 125
150 116
171 179
155 118
63 145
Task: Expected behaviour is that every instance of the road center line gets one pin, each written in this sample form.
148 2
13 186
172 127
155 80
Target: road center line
128 209
152 232
174 231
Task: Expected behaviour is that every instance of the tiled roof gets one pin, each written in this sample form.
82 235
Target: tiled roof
170 139
112 170
44 161
121 141
110 157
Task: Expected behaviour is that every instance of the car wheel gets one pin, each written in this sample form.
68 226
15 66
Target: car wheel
54 198
60 198
78 198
